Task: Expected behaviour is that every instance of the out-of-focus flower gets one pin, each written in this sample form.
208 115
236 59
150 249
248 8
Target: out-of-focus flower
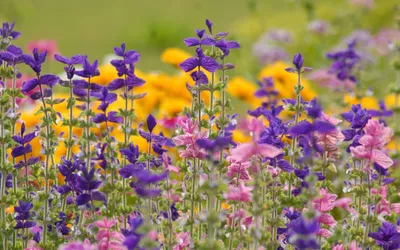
242 89
49 46
387 236
328 80
174 56
241 193
344 62
285 82
363 3
384 39
183 241
319 27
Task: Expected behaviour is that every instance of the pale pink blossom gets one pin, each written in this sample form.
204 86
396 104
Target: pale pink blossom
329 141
383 206
241 193
338 247
107 239
238 169
324 233
328 80
363 3
188 139
77 245
353 246
327 219
396 208
168 167
343 203
326 202
183 240
375 138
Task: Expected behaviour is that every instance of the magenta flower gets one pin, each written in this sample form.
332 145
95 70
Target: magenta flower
238 169
241 193
329 140
372 143
183 240
107 239
167 166
326 202
189 138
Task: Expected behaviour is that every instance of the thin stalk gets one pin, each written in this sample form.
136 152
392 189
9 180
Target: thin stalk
294 140
71 117
126 138
192 197
46 167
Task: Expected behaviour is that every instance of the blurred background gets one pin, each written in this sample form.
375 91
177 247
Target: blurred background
268 31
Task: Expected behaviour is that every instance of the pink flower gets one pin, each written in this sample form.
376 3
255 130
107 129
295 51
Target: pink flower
77 245
245 151
324 233
32 245
167 166
343 203
338 247
44 45
327 219
171 123
183 240
108 240
241 193
329 141
353 246
328 80
238 169
189 138
375 138
363 3
396 208
326 202
383 206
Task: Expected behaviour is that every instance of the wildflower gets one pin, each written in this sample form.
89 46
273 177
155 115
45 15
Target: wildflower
372 142
386 237
49 46
89 186
344 62
241 193
174 56
319 27
153 138
7 31
23 215
70 69
298 61
12 56
89 70
183 241
302 233
35 61
24 147
238 169
106 238
214 145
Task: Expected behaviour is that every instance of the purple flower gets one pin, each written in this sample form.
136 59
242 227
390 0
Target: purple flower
23 215
89 70
24 147
89 186
302 233
131 153
48 80
202 60
12 56
214 145
153 138
147 192
131 169
112 116
298 61
306 128
226 46
70 69
105 97
8 31
386 237
209 25
35 61
344 62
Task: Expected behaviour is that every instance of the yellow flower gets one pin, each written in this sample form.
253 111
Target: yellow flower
285 82
239 136
242 89
367 102
171 107
10 210
107 74
174 56
390 101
